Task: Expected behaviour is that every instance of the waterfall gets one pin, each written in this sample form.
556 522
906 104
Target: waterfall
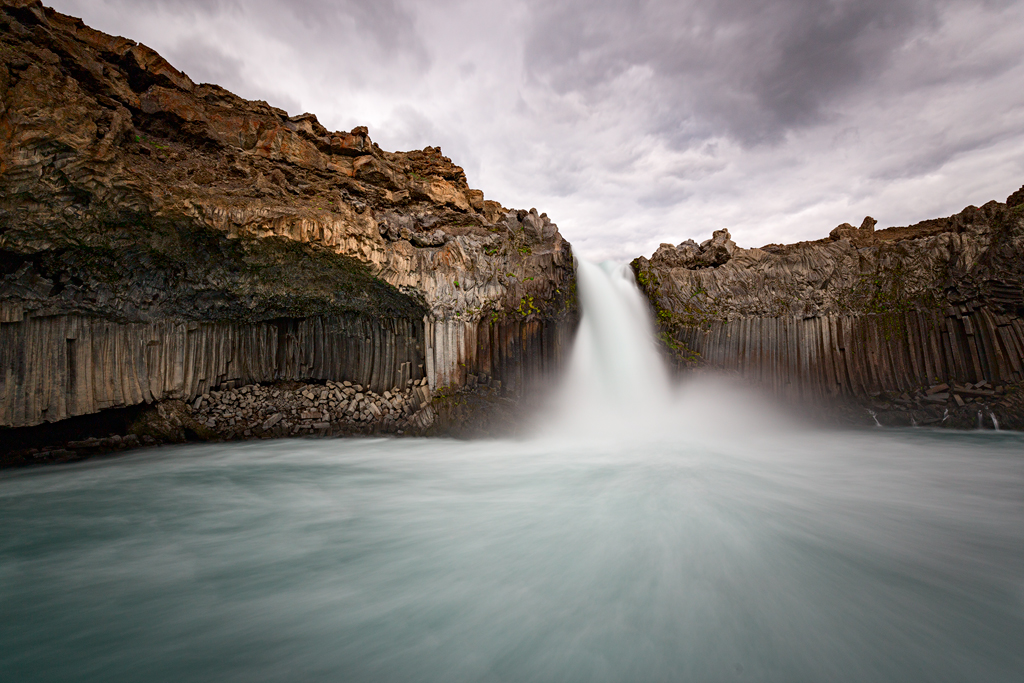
618 386
615 357
616 376
995 422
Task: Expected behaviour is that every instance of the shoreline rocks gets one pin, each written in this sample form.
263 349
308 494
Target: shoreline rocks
951 407
294 409
283 409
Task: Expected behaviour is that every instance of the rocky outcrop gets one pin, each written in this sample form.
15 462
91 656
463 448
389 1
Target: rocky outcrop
159 238
862 236
266 411
708 254
333 408
863 314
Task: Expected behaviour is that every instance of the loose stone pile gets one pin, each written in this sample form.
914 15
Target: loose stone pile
952 405
332 408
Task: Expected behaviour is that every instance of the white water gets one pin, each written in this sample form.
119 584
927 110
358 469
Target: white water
616 383
617 389
648 533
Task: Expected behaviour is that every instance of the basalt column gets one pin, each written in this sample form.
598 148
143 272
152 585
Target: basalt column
56 367
858 314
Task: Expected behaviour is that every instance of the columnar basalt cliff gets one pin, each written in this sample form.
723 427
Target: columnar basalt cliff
160 239
915 321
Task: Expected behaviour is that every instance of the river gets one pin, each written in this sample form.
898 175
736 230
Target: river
645 532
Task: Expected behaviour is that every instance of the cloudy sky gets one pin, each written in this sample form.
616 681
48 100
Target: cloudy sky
636 123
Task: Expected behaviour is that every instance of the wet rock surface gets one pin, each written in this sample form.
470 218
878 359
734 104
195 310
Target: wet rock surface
968 406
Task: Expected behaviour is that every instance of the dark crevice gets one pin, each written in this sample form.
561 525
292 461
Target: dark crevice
50 434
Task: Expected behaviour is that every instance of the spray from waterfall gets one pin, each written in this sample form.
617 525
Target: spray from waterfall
618 385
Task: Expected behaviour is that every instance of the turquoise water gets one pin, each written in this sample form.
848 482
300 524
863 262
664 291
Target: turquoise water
716 556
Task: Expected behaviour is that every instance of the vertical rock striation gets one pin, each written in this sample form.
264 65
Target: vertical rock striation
57 367
859 315
160 237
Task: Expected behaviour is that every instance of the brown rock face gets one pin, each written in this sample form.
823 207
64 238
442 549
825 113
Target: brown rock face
863 314
132 195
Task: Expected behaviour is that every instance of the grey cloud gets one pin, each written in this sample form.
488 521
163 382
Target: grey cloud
939 152
662 198
752 69
387 22
206 64
316 26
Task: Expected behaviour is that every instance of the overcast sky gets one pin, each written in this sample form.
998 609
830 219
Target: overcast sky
636 123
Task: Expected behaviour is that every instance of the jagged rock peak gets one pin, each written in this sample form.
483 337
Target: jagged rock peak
863 235
710 253
1016 199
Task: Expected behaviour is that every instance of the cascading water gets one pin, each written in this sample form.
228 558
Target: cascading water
616 380
618 387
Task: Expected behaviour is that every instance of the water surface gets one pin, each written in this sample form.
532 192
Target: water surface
749 556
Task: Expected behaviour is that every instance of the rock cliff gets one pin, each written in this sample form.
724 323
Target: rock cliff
161 238
876 317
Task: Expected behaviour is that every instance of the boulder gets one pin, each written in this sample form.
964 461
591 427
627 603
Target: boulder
710 253
716 251
434 238
861 236
356 143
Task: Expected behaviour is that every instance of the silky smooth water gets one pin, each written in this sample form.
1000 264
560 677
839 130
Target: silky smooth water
677 534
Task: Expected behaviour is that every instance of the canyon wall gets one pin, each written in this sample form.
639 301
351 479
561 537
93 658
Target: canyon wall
159 238
861 314
57 367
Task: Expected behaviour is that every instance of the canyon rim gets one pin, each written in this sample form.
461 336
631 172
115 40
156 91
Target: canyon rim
180 263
